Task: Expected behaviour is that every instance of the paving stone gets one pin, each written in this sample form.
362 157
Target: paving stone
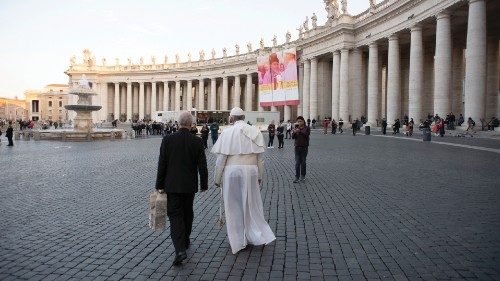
371 208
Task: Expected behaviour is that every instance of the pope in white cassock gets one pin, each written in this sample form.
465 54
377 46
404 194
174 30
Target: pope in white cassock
239 170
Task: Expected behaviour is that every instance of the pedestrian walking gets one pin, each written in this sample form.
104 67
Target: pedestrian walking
9 134
384 126
341 123
271 129
182 158
354 126
280 134
288 130
239 169
214 131
204 134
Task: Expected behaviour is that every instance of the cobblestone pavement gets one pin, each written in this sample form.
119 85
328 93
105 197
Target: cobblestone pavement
371 208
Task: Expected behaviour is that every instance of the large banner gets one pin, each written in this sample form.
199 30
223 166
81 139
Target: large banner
278 83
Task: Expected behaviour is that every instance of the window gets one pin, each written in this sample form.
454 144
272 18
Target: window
50 103
60 103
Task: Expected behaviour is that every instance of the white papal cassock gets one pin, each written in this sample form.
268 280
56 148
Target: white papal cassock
239 166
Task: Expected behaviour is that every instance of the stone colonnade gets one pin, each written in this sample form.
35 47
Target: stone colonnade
366 81
138 100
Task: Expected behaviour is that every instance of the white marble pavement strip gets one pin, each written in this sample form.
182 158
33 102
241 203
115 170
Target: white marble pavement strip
446 143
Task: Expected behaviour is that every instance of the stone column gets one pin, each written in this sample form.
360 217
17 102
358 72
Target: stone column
166 96
129 101
305 89
201 94
442 66
493 79
213 94
301 82
335 85
141 100
248 93
393 81
313 94
153 98
116 110
177 95
104 100
225 94
357 95
287 112
373 84
416 80
344 85
475 70
189 95
237 91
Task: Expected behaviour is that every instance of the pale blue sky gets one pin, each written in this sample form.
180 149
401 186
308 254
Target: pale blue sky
39 37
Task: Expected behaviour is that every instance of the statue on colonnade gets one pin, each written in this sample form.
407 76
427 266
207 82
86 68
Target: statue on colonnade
117 61
129 60
177 58
262 43
314 20
237 47
300 29
249 47
213 53
141 61
189 57
153 60
275 41
332 8
344 6
224 52
306 24
202 55
372 4
72 60
103 61
87 57
288 36
165 61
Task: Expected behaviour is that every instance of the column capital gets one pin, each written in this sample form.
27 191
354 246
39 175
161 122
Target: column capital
472 1
314 59
444 14
224 78
393 37
344 51
373 44
356 50
336 52
416 28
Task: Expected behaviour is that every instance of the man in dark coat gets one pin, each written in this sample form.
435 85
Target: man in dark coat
182 157
9 133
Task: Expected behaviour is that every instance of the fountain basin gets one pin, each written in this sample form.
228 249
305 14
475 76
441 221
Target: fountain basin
73 135
83 107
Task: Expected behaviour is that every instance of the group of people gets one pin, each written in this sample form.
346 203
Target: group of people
238 171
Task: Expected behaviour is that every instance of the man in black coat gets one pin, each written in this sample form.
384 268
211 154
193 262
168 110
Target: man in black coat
9 133
182 157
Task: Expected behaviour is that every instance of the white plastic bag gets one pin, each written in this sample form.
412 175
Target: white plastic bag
157 210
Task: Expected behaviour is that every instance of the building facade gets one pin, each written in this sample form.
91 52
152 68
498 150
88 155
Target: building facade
12 109
48 104
399 57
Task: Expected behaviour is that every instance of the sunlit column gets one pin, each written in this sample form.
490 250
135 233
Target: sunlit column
373 84
393 81
129 101
313 90
344 85
153 98
442 65
225 94
248 93
141 100
335 85
201 94
189 95
177 95
213 94
416 80
117 101
305 89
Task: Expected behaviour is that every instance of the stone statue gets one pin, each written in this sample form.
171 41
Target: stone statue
249 47
224 52
213 53
275 41
189 57
300 30
306 24
93 61
117 61
87 57
141 61
262 43
314 20
177 58
129 61
103 61
165 61
237 47
202 55
288 36
344 6
72 60
332 8
153 60
372 4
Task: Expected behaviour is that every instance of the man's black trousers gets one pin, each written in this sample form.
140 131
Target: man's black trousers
180 213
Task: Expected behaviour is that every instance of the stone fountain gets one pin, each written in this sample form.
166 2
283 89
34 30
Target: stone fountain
83 126
84 107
